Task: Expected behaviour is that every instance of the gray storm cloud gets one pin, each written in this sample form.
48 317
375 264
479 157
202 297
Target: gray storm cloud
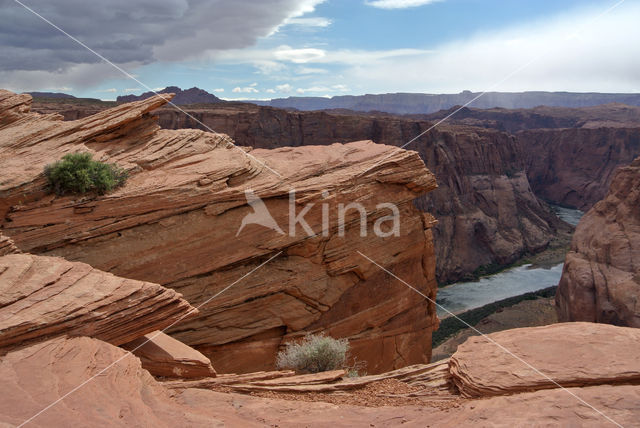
133 32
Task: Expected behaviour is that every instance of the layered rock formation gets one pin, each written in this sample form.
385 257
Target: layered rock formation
569 354
178 222
7 246
71 381
43 297
601 277
487 212
574 167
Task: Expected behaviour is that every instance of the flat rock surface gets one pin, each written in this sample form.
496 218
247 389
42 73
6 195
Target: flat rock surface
572 354
165 356
43 297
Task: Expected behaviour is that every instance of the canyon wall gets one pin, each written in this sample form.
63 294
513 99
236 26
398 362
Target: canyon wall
487 214
574 167
177 222
487 203
601 277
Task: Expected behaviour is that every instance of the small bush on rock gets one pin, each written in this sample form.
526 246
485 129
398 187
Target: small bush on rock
79 173
315 353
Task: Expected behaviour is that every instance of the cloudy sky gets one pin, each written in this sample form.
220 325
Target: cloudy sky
263 49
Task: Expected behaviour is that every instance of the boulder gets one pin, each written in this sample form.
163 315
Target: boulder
164 356
571 354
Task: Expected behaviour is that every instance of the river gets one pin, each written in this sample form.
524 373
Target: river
462 296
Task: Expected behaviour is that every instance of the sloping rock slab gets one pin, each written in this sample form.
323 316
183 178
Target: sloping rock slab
42 297
572 354
124 394
165 356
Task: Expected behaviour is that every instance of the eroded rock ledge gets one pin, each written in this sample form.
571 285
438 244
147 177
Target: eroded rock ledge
176 220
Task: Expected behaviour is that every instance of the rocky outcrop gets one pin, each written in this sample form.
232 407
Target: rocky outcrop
44 297
601 277
90 382
164 356
574 167
527 359
178 220
113 389
488 215
486 210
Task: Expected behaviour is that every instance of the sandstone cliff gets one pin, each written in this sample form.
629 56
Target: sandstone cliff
574 167
175 223
601 277
487 212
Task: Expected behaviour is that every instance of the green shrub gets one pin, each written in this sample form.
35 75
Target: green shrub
315 353
79 173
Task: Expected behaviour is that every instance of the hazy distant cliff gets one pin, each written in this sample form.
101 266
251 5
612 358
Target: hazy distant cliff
406 103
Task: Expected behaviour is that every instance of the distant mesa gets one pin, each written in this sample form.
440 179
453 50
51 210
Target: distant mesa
414 103
49 95
188 96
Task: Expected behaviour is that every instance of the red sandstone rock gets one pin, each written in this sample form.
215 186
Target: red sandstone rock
43 297
176 220
486 210
7 246
601 277
575 167
571 354
120 394
164 356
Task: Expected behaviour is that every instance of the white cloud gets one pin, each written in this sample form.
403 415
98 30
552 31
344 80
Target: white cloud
544 55
310 22
270 91
218 90
110 90
254 84
128 90
398 4
298 56
286 88
245 90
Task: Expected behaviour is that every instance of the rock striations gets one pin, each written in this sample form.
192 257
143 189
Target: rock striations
44 297
177 222
601 277
487 212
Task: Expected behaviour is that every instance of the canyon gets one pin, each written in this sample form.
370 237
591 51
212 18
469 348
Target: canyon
177 223
495 168
86 279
